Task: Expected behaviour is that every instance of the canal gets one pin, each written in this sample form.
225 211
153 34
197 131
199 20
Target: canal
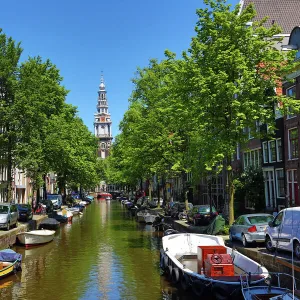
103 254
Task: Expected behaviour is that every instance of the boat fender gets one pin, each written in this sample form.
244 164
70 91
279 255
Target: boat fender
185 282
175 275
198 288
165 262
220 293
169 272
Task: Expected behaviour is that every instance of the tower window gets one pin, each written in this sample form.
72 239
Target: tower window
103 146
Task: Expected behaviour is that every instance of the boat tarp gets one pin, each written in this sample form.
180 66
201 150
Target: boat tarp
50 221
10 255
215 227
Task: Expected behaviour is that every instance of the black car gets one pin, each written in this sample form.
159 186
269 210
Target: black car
24 212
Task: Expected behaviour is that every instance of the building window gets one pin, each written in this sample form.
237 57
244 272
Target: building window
293 143
252 158
265 152
280 183
272 151
292 186
279 150
103 146
238 151
269 188
291 92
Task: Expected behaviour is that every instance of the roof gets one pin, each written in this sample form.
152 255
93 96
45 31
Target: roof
285 13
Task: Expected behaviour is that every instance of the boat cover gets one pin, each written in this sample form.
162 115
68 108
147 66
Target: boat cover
50 221
10 255
216 226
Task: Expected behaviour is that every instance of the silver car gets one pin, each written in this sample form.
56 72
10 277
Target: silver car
250 228
8 215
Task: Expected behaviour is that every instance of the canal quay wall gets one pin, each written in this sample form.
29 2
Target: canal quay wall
279 262
9 238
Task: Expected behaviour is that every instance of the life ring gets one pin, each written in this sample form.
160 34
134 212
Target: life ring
198 288
175 275
185 282
220 293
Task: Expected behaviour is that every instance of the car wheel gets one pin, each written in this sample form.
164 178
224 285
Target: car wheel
297 249
269 245
244 240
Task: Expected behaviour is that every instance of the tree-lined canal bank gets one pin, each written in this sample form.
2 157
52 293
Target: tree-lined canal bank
104 254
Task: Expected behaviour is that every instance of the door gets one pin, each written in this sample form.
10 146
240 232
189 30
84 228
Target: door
275 231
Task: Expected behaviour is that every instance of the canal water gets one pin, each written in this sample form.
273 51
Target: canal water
103 254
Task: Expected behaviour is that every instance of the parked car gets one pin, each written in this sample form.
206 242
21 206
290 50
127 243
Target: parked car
283 232
250 228
56 200
200 214
49 205
24 212
8 215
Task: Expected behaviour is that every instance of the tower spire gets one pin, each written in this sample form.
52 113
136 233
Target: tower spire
102 85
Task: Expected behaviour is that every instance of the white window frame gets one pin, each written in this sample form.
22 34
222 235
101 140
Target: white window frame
289 144
238 149
265 155
290 116
277 150
277 185
270 152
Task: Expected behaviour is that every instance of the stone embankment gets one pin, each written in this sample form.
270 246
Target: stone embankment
9 238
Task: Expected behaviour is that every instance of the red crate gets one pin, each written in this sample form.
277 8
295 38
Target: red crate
203 251
219 265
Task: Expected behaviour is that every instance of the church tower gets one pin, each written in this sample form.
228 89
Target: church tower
102 122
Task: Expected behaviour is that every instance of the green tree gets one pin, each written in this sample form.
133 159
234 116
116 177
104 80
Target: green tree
10 53
233 67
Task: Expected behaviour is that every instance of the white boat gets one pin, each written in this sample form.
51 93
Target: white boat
36 237
73 210
149 218
204 264
269 291
66 213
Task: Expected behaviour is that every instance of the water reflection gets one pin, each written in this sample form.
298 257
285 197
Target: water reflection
104 254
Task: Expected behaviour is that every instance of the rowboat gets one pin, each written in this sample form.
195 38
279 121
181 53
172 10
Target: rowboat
66 213
272 290
49 223
10 262
204 264
36 237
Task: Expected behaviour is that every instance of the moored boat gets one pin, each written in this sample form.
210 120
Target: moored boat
66 213
36 237
203 263
49 223
10 262
149 218
271 291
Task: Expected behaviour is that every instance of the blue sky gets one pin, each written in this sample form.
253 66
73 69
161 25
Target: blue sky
84 38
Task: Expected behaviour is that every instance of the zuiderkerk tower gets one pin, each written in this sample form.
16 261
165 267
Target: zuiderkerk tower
102 122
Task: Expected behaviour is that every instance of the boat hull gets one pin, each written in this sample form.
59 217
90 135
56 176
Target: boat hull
36 237
178 260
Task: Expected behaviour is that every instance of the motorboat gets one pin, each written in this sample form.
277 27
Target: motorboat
74 210
49 223
140 216
36 237
10 262
66 213
271 290
204 264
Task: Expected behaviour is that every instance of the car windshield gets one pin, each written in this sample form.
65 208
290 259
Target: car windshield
205 209
3 209
260 219
52 197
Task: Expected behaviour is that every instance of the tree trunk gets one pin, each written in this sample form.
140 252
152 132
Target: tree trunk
230 191
158 192
164 190
45 186
9 169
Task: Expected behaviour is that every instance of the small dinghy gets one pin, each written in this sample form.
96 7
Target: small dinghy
36 237
204 264
10 262
67 214
50 224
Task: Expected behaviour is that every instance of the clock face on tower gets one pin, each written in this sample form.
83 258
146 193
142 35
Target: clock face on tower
102 119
